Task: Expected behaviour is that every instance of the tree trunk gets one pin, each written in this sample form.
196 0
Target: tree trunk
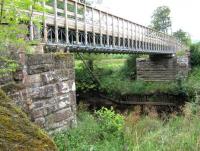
90 64
1 10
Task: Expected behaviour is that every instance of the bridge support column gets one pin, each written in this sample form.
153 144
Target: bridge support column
162 67
45 89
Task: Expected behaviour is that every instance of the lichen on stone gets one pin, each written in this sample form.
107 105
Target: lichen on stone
17 133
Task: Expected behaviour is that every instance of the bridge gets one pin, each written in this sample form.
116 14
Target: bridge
48 92
78 27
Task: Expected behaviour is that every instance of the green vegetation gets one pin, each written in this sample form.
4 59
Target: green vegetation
161 20
195 54
13 32
184 37
108 131
117 76
101 131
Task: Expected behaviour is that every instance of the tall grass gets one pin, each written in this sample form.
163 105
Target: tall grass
97 132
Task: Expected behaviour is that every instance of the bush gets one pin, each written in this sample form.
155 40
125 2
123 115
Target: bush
129 68
195 54
84 81
109 120
99 132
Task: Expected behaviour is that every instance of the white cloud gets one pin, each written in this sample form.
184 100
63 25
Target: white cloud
185 14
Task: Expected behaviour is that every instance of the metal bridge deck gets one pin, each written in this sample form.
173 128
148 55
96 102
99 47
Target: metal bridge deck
79 27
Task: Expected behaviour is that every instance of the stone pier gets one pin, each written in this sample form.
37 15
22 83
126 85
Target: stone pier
44 87
162 67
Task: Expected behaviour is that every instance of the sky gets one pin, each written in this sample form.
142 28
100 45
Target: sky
185 14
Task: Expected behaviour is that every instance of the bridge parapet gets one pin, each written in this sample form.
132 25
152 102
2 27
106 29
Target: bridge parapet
80 27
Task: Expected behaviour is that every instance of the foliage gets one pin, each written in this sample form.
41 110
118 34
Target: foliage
161 19
184 37
92 133
13 32
117 78
192 84
195 54
84 81
129 68
109 120
140 133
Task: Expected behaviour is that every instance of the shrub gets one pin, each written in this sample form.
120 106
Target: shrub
129 68
101 131
109 120
195 54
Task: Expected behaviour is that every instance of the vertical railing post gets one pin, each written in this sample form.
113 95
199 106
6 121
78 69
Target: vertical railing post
136 37
163 42
76 22
150 46
153 40
66 22
158 44
131 36
119 39
44 23
100 28
55 21
155 45
139 34
107 30
85 24
113 31
31 24
123 32
142 37
128 37
93 30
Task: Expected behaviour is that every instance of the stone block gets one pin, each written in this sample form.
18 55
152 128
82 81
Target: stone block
40 122
60 116
49 77
63 87
62 75
44 92
36 69
39 59
34 81
38 113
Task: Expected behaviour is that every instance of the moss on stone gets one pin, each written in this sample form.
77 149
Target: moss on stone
61 56
12 87
17 133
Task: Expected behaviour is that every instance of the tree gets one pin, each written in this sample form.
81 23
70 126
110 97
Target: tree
161 19
184 37
12 31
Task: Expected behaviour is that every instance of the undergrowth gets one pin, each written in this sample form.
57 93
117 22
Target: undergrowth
106 130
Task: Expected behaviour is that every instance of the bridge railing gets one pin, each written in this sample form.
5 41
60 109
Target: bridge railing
70 23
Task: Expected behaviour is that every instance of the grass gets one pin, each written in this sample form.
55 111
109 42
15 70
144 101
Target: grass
118 79
139 133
